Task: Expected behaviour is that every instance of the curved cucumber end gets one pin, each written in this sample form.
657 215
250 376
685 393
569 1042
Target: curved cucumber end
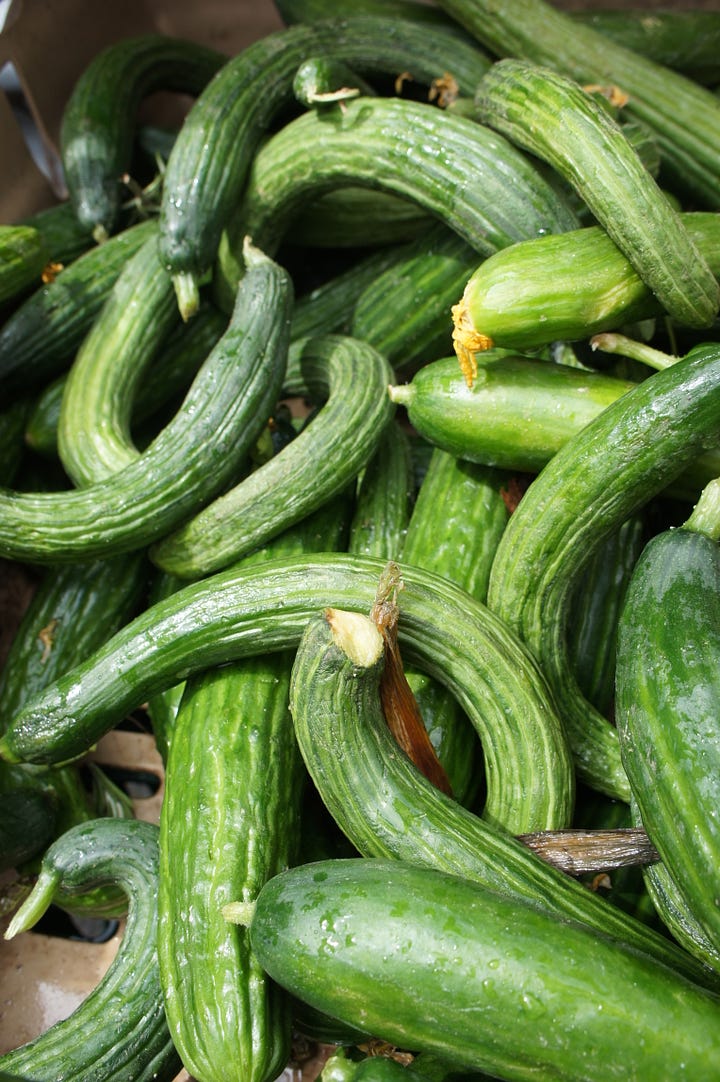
187 293
252 256
36 903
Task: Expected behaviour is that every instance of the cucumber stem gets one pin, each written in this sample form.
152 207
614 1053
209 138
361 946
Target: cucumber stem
35 905
187 293
609 342
239 913
705 517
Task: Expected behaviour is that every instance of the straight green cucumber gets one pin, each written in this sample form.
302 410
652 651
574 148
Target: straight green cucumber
430 962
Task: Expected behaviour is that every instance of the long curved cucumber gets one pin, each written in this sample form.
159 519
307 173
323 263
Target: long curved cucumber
610 469
551 116
240 612
431 962
352 378
683 115
668 691
369 142
98 121
513 301
41 336
94 439
208 164
191 459
85 1045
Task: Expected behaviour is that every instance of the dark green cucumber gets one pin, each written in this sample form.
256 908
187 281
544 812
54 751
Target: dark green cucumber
192 458
309 11
41 336
513 300
404 312
610 469
356 217
85 1046
241 612
351 377
23 256
383 499
592 628
668 695
428 961
13 421
233 785
28 815
63 236
179 359
369 143
209 162
387 808
94 438
686 40
683 115
99 118
551 116
488 422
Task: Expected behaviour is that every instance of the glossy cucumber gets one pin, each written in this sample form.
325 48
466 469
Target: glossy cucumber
233 786
260 609
39 339
99 118
609 470
209 162
683 115
22 258
550 115
512 299
369 143
431 962
488 422
668 691
84 1046
193 457
351 378
94 439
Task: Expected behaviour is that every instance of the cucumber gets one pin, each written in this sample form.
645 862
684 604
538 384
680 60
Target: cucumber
41 336
13 420
23 256
356 217
94 439
352 378
191 459
323 80
431 962
442 630
233 787
512 300
208 165
369 143
383 499
487 422
609 470
551 116
98 120
683 115
667 708
83 1046
64 238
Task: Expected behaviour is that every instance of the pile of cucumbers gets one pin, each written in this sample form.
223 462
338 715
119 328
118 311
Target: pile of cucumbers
360 441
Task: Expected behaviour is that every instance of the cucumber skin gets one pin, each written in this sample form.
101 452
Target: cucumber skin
431 962
668 700
610 469
242 612
209 162
22 257
83 1046
191 458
